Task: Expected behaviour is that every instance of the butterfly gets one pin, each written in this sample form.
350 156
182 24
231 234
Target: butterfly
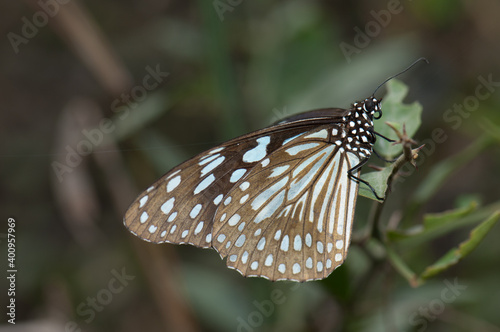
276 203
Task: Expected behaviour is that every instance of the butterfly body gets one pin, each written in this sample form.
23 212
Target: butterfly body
278 203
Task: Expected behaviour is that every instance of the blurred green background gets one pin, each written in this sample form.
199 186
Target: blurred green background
224 68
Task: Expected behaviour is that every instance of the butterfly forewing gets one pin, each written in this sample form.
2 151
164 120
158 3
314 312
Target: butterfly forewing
291 216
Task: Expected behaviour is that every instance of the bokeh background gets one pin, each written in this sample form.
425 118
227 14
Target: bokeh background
74 77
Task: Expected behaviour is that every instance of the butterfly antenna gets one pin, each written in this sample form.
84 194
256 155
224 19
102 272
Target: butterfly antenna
404 71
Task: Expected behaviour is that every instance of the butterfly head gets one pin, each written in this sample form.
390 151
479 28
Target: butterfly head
372 107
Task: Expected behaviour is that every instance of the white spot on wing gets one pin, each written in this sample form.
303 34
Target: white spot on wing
240 241
284 243
279 170
144 217
152 229
302 147
168 205
143 201
216 150
234 220
204 184
319 134
172 184
269 260
172 217
210 167
259 152
261 244
297 243
296 268
308 240
319 247
218 199
237 174
244 257
198 228
244 199
282 268
195 211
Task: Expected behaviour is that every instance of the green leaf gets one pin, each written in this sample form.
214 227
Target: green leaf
417 235
434 220
397 113
378 180
445 221
456 254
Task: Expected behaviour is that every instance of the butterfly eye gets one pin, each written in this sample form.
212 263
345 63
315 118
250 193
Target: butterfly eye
369 104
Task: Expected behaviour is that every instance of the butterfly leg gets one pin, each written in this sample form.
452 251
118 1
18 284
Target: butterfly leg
359 180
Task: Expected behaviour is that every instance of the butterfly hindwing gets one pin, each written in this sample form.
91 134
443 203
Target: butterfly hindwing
291 216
